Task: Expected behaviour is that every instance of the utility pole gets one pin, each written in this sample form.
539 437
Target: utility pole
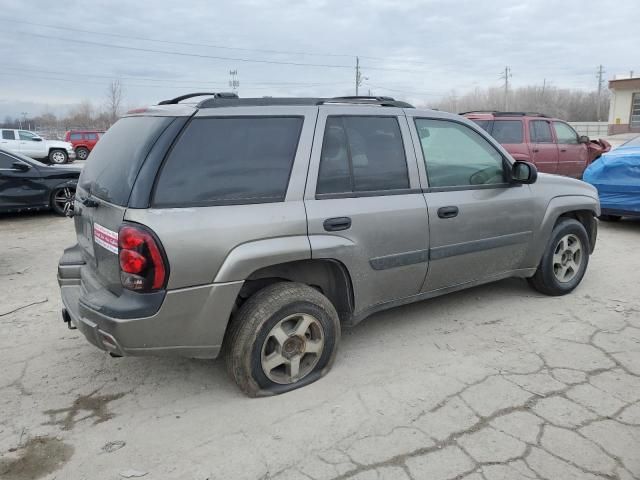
234 83
359 76
599 74
24 119
506 76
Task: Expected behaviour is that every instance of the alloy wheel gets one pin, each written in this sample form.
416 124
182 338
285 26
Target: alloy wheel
567 258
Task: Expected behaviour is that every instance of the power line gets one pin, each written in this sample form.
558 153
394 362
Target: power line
199 55
209 45
201 86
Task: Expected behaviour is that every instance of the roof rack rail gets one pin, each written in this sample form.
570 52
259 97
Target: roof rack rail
219 101
173 101
368 100
497 113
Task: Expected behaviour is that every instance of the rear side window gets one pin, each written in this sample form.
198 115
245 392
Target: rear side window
116 159
229 160
507 131
8 135
540 131
91 136
76 136
484 124
362 154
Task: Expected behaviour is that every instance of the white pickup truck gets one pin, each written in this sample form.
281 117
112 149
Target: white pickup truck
34 146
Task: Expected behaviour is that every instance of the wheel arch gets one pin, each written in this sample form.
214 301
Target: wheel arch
582 208
328 276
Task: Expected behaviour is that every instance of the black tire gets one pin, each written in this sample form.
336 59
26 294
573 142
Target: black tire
62 200
610 218
250 330
82 153
58 156
546 278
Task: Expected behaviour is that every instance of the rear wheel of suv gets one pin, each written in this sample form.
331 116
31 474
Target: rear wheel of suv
284 337
565 260
82 153
58 156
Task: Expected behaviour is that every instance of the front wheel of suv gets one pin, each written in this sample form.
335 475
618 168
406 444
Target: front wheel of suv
58 156
565 260
284 337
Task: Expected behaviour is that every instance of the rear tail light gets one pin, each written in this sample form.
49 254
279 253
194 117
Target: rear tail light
143 265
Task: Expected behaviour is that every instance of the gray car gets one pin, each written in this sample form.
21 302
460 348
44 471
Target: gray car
257 228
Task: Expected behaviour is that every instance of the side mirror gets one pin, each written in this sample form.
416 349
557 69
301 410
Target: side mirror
583 139
36 139
21 167
524 172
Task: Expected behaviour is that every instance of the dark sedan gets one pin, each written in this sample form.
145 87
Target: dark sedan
26 184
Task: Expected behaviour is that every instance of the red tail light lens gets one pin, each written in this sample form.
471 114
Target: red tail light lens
142 263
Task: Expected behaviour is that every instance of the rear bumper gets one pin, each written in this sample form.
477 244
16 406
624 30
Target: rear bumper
189 322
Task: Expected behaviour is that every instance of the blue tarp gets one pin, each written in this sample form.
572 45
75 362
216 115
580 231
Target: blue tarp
616 175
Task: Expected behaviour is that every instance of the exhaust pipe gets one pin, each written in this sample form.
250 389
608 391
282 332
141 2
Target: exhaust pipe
66 318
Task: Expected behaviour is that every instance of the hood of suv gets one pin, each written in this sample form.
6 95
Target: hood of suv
565 186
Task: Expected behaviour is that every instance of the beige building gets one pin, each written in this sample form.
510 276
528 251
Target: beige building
624 109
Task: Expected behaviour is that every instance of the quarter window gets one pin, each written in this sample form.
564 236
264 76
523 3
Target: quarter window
362 154
230 160
457 156
565 134
91 136
540 131
8 135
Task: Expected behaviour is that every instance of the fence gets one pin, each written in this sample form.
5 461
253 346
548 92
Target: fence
591 129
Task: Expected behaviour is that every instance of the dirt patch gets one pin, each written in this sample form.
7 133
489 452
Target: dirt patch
95 405
38 457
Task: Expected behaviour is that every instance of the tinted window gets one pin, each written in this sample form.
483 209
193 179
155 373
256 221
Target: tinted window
540 131
8 135
75 136
362 154
564 133
6 161
484 124
456 155
115 161
26 135
91 136
507 131
229 160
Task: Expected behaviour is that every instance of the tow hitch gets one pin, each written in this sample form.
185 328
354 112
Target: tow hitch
66 318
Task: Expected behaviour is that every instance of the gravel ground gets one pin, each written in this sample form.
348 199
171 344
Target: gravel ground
497 382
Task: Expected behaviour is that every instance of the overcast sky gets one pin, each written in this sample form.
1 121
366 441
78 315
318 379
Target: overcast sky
410 49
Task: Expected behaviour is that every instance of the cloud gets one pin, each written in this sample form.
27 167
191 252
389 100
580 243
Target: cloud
417 50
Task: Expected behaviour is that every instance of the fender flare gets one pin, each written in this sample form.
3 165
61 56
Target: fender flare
248 257
557 207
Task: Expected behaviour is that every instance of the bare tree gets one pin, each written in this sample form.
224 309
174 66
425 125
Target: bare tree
115 94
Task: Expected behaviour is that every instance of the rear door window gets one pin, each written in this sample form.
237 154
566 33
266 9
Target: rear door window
75 136
362 154
8 135
507 131
229 160
117 158
540 131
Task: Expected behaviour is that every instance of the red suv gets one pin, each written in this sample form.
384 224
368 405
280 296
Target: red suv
551 144
83 141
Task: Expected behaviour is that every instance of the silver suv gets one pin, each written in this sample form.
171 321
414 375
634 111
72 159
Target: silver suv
257 228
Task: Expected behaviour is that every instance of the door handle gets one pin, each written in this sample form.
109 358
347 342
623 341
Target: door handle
563 149
448 212
336 224
536 150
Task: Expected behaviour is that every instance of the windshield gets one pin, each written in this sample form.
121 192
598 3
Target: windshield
116 159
